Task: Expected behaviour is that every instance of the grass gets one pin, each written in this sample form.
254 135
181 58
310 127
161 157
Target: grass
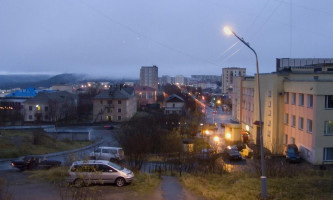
237 185
15 143
143 183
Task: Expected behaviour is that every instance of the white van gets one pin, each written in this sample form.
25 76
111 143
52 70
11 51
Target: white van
108 153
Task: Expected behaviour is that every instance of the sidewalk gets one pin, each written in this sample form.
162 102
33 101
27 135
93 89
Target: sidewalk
171 189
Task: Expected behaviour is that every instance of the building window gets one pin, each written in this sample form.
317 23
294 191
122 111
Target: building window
119 118
269 104
30 116
293 98
109 102
329 101
268 133
328 128
310 100
328 154
286 118
101 101
285 139
119 110
268 122
286 98
269 113
309 125
30 107
173 105
293 120
46 117
119 101
292 140
269 93
300 123
301 99
46 108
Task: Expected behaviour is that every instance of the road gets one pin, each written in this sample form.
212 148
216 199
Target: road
95 132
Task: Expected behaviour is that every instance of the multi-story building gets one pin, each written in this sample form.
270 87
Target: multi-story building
296 108
115 104
166 80
179 80
149 76
145 95
50 107
208 78
227 77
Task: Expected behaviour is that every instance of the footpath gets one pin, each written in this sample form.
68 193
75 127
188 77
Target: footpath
171 189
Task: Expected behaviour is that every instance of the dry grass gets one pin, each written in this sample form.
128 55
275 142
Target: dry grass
234 186
14 143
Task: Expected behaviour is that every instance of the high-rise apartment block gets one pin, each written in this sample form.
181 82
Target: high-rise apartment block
149 76
296 108
227 77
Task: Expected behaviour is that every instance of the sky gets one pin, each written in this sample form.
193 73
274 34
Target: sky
114 38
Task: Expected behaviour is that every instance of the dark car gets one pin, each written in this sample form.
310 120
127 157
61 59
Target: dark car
34 162
292 153
232 153
109 126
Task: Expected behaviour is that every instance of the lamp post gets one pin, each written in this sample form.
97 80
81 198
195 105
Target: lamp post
263 178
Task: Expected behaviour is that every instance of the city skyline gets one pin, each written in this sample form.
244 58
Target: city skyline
115 39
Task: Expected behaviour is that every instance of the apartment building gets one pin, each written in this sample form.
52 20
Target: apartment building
149 76
115 104
228 75
180 80
296 106
145 95
49 106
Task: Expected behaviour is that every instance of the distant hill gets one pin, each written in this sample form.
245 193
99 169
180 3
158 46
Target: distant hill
12 81
25 81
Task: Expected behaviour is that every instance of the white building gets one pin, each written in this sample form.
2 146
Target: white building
227 77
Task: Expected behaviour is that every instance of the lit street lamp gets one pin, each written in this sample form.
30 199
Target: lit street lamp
263 178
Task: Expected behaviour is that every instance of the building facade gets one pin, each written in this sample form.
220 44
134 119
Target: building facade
174 104
297 108
115 104
50 107
227 77
149 76
145 95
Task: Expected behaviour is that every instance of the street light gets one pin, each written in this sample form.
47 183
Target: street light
263 178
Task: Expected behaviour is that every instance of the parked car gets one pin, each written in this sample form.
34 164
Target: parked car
232 153
83 173
292 153
109 126
108 153
34 162
246 152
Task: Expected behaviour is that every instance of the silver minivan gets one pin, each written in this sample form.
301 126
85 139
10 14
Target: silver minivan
83 173
108 153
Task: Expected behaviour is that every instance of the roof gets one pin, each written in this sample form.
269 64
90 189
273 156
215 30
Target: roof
144 88
174 98
117 92
27 93
45 97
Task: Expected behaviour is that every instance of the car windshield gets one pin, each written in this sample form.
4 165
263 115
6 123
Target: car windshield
116 166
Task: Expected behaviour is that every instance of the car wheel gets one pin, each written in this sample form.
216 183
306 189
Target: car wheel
78 183
120 182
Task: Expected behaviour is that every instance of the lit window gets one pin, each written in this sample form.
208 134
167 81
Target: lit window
328 130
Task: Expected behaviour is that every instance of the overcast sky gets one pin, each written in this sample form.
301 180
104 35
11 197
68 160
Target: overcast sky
181 37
